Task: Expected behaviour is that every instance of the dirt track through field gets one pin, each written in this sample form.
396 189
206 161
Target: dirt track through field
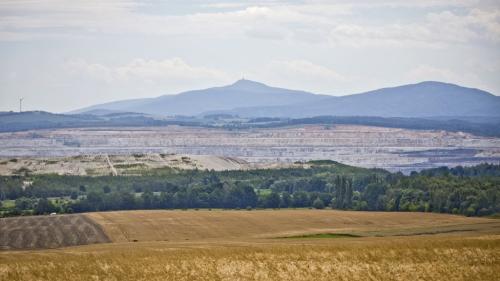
40 232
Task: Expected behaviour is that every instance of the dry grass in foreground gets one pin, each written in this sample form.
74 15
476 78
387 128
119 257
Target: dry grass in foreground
388 258
250 245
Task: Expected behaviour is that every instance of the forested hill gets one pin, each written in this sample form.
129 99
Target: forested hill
471 191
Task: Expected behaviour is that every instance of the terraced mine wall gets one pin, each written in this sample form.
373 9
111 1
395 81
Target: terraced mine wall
389 148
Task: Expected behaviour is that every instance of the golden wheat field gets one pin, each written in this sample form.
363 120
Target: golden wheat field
230 225
251 245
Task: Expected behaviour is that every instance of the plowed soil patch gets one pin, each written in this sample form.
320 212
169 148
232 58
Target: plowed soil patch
41 232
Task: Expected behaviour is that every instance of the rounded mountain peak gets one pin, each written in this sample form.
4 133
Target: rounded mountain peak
248 84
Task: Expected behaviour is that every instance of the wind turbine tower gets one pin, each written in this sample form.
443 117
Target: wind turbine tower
21 105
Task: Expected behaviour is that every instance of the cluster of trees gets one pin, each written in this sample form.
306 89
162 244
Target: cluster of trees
34 206
472 191
213 195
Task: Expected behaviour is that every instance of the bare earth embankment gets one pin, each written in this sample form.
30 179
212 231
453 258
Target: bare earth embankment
127 164
249 245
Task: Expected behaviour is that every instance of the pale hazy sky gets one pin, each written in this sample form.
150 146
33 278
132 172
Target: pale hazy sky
63 55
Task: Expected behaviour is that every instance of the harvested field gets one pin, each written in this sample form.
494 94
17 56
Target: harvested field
49 232
385 258
222 225
251 245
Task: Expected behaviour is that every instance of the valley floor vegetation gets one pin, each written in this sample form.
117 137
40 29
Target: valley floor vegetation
471 191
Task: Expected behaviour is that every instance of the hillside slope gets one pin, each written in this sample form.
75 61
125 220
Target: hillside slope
181 226
242 93
253 99
426 99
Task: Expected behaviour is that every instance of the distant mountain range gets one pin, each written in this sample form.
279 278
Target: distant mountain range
243 93
253 99
248 104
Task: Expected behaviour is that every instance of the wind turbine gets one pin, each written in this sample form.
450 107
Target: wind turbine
21 105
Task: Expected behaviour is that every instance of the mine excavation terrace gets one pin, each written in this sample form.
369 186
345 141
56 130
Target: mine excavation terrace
363 146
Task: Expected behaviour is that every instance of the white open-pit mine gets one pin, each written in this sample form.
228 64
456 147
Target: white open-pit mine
389 148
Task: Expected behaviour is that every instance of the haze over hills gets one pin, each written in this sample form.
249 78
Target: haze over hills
253 99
